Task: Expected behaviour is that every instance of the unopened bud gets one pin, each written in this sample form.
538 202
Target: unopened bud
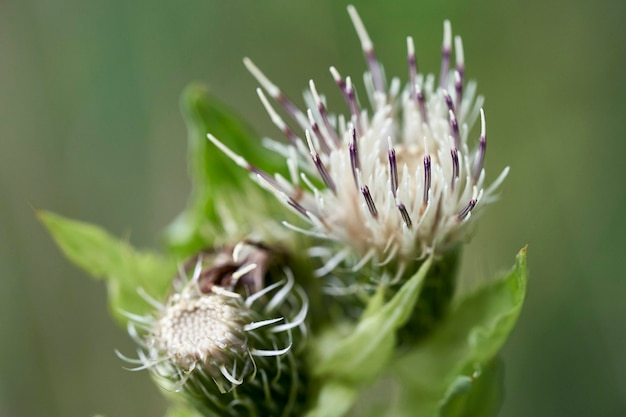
230 336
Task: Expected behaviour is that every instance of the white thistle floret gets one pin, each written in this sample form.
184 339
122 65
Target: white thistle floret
396 184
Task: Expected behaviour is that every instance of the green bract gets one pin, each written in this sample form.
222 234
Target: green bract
455 371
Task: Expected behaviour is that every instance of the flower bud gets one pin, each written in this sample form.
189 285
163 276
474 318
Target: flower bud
230 336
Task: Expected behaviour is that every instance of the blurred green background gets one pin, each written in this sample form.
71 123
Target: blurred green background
90 128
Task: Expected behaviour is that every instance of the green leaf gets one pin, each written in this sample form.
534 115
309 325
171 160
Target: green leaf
219 186
124 269
359 357
436 376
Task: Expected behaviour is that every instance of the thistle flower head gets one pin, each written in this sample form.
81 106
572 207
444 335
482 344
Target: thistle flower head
393 181
226 336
